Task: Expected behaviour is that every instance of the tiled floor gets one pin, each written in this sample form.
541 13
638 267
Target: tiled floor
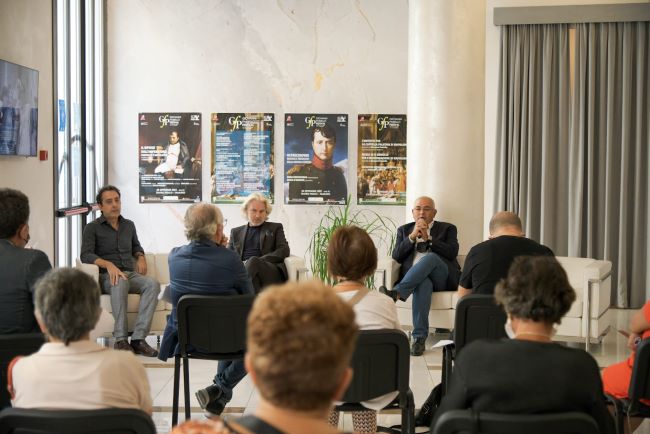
425 373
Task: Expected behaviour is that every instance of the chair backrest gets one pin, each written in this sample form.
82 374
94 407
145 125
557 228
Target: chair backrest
640 382
21 344
109 420
381 365
214 324
466 421
478 316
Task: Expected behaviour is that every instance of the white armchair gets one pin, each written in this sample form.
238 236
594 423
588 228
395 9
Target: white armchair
588 316
158 268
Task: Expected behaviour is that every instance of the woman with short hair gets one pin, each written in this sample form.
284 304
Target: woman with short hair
351 258
70 371
529 374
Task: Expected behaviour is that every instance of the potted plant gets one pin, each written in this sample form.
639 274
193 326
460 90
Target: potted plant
380 228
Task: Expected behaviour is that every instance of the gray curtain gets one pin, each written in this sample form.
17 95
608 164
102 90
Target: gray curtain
574 167
609 153
532 131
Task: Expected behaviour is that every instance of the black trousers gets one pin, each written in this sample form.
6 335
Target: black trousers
263 273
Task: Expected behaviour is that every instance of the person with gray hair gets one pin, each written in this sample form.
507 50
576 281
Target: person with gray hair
488 262
70 371
21 267
260 244
205 267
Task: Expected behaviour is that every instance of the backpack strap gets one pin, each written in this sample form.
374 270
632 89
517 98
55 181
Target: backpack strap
356 298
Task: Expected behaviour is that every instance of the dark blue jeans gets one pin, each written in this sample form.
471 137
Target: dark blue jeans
428 275
229 374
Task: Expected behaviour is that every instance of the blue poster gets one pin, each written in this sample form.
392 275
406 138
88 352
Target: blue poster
242 156
62 117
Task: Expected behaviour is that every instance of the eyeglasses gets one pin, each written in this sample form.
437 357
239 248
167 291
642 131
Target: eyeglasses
225 222
425 209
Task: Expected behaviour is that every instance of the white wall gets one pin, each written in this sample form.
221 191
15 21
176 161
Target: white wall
338 56
26 39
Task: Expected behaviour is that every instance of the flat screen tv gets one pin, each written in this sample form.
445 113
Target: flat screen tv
18 109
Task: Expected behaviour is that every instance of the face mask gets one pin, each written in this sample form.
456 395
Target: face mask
508 328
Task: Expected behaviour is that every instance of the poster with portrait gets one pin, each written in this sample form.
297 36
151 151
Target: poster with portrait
170 157
242 156
381 163
315 158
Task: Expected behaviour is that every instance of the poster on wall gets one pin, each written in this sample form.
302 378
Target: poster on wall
242 156
170 157
381 163
315 158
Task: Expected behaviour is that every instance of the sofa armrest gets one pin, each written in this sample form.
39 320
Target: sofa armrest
598 284
295 265
391 269
90 269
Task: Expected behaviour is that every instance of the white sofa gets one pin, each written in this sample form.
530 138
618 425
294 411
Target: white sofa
590 278
158 268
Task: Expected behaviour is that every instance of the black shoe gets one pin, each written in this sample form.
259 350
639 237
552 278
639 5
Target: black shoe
424 417
389 292
212 399
140 346
440 330
417 347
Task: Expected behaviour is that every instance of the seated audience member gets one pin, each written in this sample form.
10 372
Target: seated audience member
351 258
70 371
616 377
489 261
260 244
300 342
205 267
21 267
529 373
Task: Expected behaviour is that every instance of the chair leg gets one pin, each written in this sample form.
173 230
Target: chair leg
186 386
177 376
447 356
408 414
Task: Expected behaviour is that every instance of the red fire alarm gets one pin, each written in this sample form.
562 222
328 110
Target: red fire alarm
42 155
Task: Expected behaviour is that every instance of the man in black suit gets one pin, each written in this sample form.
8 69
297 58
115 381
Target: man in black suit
260 244
426 250
21 267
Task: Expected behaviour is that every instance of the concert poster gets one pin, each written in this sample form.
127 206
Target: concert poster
242 156
381 171
316 158
169 157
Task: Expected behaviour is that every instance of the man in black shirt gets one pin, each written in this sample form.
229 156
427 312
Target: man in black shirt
489 261
111 243
260 244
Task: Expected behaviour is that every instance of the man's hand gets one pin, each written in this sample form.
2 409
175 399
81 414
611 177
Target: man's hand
633 340
114 273
141 265
421 230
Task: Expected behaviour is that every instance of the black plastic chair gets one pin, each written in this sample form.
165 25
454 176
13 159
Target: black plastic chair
639 389
21 344
210 327
477 317
105 421
381 364
466 421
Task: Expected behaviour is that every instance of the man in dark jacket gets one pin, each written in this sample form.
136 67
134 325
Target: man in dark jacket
260 244
426 250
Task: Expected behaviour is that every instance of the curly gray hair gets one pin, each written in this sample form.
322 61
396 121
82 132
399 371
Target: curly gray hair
256 196
67 303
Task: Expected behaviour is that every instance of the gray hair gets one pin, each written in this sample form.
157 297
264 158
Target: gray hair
256 196
67 303
202 220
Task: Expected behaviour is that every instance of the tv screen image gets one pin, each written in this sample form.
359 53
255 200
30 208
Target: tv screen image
18 109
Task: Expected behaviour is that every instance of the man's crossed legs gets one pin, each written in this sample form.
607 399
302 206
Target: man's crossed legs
427 275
